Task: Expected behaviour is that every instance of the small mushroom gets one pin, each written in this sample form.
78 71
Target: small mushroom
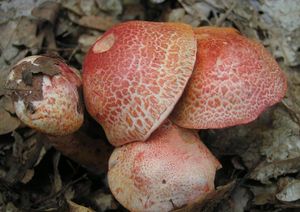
169 170
46 94
235 79
134 74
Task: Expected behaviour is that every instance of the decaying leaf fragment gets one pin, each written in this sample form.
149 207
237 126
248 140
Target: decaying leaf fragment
211 201
8 123
291 192
22 156
264 171
74 207
264 194
47 10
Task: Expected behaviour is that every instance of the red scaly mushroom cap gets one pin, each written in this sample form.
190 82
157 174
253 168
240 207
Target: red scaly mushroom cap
172 168
234 80
45 93
134 75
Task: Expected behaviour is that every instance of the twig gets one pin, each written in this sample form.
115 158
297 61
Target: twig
291 112
222 17
73 52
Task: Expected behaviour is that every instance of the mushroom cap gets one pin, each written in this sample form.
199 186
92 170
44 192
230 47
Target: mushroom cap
49 101
172 168
134 74
234 80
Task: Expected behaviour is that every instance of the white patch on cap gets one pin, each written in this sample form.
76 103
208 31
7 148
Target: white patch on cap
104 43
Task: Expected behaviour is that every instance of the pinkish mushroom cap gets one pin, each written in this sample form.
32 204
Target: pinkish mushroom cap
45 93
234 80
171 169
134 75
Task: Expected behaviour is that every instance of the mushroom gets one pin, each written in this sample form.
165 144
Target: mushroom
46 94
234 80
169 170
134 74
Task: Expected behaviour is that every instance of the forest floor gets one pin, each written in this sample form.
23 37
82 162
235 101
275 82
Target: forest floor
261 160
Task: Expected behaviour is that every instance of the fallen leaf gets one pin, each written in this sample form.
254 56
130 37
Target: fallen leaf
8 123
25 33
282 140
73 6
113 7
283 24
264 194
74 207
47 11
3 76
133 12
240 198
7 104
28 176
103 22
88 7
25 154
264 171
103 201
86 41
291 192
211 201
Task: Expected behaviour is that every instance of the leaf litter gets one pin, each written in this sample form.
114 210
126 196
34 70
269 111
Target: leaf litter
260 160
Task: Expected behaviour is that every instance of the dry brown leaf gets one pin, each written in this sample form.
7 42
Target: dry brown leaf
198 10
88 7
292 102
103 201
264 171
26 33
264 194
8 123
114 7
103 22
86 41
211 201
47 11
73 6
240 198
3 76
282 141
18 37
133 11
28 176
74 207
179 15
282 21
291 192
7 104
24 156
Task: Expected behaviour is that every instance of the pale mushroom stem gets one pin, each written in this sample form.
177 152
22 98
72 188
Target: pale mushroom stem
90 153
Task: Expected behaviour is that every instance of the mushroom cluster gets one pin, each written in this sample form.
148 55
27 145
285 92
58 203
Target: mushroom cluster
151 86
139 77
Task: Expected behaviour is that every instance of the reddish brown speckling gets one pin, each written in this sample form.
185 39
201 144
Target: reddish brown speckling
234 80
134 75
173 164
